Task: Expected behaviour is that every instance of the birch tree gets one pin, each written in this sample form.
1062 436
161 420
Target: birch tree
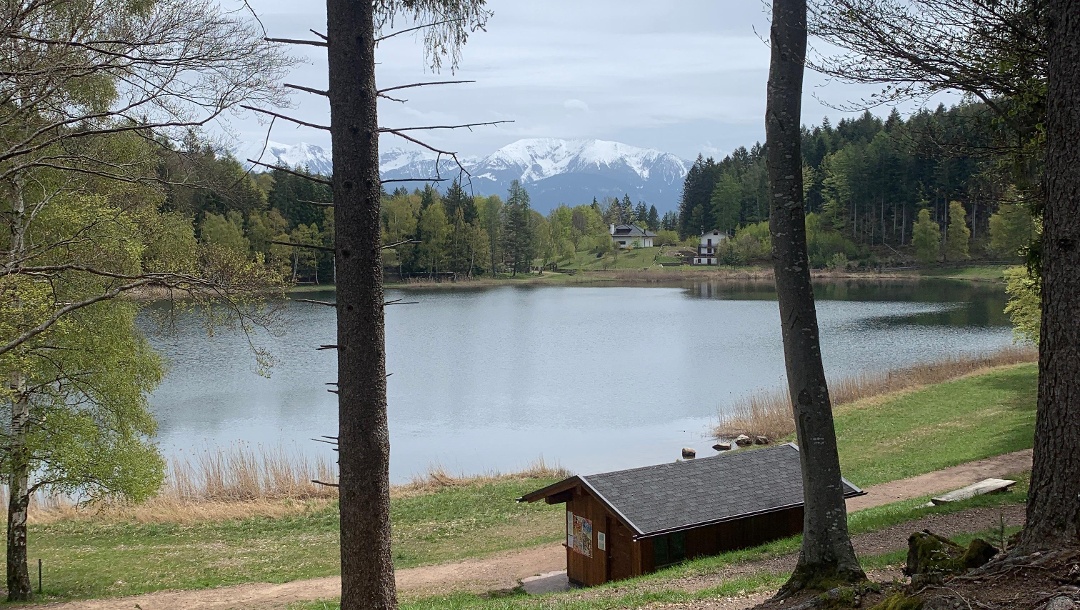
87 89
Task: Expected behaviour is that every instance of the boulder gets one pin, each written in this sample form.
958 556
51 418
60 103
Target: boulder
722 446
688 453
1061 603
932 557
743 441
761 440
978 553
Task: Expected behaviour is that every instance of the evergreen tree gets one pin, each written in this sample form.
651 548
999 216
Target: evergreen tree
1012 229
926 237
641 214
518 233
726 202
957 235
653 219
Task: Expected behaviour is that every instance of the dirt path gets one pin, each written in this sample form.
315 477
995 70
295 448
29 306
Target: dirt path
505 570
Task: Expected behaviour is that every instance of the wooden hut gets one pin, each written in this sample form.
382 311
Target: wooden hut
632 522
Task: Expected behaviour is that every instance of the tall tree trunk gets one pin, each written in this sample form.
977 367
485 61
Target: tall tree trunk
826 554
18 574
367 570
1053 508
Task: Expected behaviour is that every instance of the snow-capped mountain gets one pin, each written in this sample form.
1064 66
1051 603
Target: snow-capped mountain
553 171
315 159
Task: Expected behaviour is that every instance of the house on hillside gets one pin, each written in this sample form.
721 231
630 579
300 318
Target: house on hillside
707 247
632 522
631 236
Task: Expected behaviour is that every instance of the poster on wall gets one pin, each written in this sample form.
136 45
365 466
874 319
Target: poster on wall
582 542
601 541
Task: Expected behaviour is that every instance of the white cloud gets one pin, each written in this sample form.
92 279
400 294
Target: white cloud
656 75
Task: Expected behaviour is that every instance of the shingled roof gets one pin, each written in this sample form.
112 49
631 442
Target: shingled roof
631 230
677 496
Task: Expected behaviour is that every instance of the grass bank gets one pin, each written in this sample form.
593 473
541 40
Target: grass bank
769 413
910 432
670 585
111 554
441 518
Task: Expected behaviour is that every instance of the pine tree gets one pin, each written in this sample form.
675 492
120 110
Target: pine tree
957 235
926 237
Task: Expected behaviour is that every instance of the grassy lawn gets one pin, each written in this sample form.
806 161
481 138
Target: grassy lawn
654 588
100 558
634 258
880 439
983 273
939 426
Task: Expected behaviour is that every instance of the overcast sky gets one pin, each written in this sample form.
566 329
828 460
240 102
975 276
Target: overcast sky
684 77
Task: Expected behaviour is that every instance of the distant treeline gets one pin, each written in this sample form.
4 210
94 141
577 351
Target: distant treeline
283 217
867 180
930 187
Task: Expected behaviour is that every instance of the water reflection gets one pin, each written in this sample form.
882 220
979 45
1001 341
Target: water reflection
592 377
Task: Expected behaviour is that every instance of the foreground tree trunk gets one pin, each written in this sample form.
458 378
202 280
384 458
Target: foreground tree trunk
826 555
18 573
1053 509
18 459
367 570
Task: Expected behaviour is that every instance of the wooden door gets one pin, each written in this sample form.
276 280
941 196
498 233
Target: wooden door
620 563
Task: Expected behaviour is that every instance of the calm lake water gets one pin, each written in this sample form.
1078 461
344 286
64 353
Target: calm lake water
590 378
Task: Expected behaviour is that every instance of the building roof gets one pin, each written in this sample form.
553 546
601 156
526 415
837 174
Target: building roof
677 496
631 230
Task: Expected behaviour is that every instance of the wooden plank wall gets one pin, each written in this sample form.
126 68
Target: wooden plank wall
580 569
743 533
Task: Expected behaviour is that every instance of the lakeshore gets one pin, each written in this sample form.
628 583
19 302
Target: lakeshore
447 519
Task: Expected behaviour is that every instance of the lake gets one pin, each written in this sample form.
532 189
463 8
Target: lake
589 378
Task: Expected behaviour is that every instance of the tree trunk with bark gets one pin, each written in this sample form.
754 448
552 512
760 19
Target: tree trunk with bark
18 573
826 556
1053 508
18 458
367 570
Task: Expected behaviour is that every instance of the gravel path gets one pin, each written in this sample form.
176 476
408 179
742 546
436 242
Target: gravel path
505 570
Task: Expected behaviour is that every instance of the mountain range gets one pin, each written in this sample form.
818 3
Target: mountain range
553 171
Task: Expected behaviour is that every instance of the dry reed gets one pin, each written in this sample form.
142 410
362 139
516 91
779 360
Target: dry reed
437 478
240 482
769 413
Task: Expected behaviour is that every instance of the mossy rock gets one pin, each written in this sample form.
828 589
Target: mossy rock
899 601
978 553
932 557
846 596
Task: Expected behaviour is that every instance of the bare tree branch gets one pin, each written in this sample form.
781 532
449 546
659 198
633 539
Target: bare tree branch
285 117
419 27
290 171
307 89
307 246
314 43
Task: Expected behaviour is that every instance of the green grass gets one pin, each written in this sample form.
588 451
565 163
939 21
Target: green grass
880 440
940 426
983 273
654 588
92 558
634 258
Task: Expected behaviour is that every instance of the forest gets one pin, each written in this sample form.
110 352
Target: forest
880 192
931 186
